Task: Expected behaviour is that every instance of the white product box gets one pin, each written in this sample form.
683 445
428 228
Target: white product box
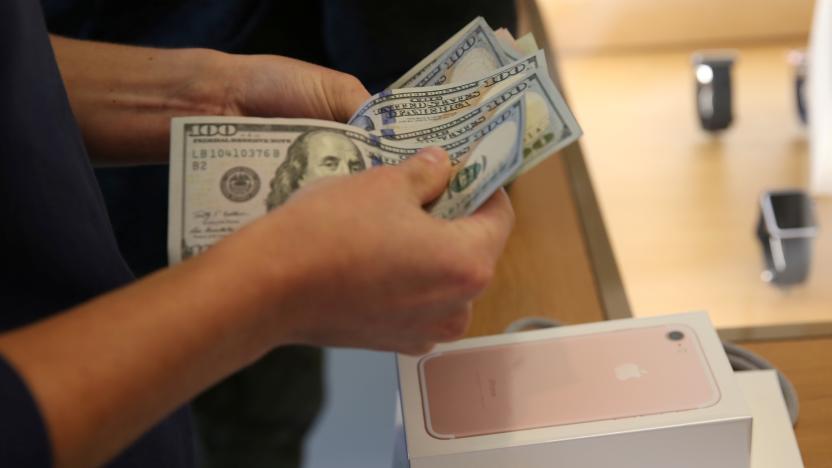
773 444
638 393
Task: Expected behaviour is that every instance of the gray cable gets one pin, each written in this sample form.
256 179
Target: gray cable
741 359
531 323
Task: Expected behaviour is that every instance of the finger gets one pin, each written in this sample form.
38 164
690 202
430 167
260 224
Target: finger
414 349
491 223
345 94
456 325
427 173
441 323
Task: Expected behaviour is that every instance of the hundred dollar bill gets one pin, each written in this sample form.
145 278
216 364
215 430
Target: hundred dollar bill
227 171
421 106
547 127
549 124
526 44
494 161
472 52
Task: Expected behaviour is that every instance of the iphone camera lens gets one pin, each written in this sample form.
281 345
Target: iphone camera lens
675 335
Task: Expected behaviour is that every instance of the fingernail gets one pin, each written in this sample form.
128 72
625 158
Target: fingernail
433 154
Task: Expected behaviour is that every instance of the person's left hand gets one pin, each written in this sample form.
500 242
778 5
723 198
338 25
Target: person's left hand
274 86
125 96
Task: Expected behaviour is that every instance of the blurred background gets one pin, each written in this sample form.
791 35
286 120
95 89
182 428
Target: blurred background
679 205
598 26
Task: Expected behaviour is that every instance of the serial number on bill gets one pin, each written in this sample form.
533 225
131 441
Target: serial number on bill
214 153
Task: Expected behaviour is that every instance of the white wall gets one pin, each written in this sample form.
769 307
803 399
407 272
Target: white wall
592 25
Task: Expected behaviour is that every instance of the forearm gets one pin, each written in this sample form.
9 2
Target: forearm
124 97
310 272
105 372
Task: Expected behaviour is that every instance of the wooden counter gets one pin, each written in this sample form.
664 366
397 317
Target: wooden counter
808 363
681 205
545 270
680 208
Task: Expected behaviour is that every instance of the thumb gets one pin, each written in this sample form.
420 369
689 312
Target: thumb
345 95
427 173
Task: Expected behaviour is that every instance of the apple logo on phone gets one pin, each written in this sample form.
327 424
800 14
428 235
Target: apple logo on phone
629 371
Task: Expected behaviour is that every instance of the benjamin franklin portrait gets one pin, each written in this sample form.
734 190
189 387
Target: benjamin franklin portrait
314 155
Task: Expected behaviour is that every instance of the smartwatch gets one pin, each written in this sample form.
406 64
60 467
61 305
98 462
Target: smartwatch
786 230
712 73
798 59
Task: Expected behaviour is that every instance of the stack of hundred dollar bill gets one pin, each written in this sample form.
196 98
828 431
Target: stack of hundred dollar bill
483 96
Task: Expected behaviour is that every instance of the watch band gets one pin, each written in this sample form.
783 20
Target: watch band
712 71
786 230
798 59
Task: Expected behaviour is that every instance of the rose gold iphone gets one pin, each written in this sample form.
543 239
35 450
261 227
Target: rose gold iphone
566 380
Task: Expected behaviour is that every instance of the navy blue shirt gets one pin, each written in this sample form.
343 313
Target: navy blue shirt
375 40
58 246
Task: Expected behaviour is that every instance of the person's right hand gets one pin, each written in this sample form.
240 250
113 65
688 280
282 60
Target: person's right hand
356 261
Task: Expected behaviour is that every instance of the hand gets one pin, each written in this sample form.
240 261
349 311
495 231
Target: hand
125 96
356 261
273 86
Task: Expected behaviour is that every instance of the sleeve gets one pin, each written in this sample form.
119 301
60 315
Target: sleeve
23 437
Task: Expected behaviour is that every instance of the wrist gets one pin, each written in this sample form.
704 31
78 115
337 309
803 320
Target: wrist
125 96
262 277
206 82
